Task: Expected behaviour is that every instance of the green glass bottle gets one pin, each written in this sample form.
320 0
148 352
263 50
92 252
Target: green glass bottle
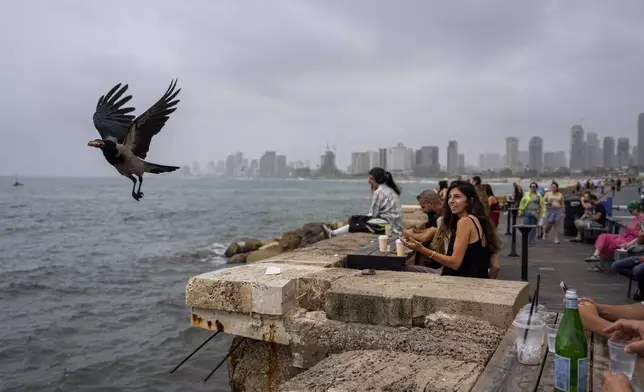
571 349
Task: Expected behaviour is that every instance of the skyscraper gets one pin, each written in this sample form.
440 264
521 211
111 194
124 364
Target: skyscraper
609 152
268 164
577 147
427 162
535 151
592 151
623 152
512 153
461 162
452 156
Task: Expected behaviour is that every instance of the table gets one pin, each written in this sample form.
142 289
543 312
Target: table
504 372
370 257
525 231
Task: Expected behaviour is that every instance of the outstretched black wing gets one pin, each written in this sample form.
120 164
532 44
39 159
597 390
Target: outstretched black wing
148 124
111 119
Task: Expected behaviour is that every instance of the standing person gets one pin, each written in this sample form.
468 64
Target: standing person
532 208
476 180
483 196
472 240
555 210
495 206
442 189
385 207
518 193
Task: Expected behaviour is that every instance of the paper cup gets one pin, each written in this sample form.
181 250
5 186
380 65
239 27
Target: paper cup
382 242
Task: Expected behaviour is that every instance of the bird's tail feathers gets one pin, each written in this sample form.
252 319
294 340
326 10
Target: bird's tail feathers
156 169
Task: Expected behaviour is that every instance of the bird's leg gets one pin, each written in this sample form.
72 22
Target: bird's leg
139 193
134 195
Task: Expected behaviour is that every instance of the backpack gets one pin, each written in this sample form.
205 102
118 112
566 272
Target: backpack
359 224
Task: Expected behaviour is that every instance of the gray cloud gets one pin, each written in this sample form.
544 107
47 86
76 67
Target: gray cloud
293 76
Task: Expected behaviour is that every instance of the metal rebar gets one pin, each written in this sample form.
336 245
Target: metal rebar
193 353
223 360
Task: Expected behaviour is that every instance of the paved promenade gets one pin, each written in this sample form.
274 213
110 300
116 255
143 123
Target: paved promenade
565 261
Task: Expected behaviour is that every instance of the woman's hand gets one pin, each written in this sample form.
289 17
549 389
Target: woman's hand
411 243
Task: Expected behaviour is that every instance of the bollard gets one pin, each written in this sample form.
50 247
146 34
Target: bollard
509 220
525 233
513 248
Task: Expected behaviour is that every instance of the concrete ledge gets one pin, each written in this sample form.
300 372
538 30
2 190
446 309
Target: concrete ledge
379 370
405 298
247 289
311 289
327 253
258 327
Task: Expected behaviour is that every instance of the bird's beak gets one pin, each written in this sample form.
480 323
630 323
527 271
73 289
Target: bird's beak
95 143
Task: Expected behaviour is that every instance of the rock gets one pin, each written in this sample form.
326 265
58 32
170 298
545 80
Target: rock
238 258
310 234
250 244
259 366
270 241
290 241
233 249
270 245
262 254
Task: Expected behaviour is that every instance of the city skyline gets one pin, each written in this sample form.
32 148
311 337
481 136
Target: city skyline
292 76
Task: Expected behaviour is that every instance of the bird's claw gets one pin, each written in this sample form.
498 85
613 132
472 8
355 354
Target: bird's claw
140 194
136 196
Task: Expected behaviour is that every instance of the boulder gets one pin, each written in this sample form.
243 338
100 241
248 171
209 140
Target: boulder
233 249
250 244
310 234
290 240
262 254
238 258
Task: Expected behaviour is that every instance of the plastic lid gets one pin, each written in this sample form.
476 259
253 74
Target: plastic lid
398 241
383 237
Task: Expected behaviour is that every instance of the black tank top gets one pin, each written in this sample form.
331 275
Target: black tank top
476 260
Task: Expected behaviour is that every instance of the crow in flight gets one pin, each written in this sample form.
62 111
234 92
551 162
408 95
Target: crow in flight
125 140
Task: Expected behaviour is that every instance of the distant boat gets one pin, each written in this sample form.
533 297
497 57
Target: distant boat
17 183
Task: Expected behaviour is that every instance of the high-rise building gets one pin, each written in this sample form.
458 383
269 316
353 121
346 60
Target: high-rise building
268 164
634 152
360 163
512 153
524 159
374 159
461 162
592 151
609 153
231 165
452 156
383 158
327 164
426 161
280 169
623 152
577 148
640 140
535 152
397 159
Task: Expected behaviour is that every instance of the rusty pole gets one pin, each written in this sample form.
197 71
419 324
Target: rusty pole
193 353
224 360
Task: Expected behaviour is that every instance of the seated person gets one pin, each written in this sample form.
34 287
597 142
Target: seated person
597 317
606 244
470 236
430 203
385 206
593 218
632 267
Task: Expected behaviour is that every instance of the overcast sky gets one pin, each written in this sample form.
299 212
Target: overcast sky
294 75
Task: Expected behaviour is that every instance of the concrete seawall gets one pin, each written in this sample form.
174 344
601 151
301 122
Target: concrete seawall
316 325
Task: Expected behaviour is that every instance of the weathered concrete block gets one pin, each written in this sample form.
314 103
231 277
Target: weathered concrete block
311 289
384 298
254 326
495 301
327 253
399 298
247 289
379 370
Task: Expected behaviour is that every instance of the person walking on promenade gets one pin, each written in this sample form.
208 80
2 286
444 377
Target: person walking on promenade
555 210
532 208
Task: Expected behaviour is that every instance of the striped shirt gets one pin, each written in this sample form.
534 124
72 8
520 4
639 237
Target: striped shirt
385 204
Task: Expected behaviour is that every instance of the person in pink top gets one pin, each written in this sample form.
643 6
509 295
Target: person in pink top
607 244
